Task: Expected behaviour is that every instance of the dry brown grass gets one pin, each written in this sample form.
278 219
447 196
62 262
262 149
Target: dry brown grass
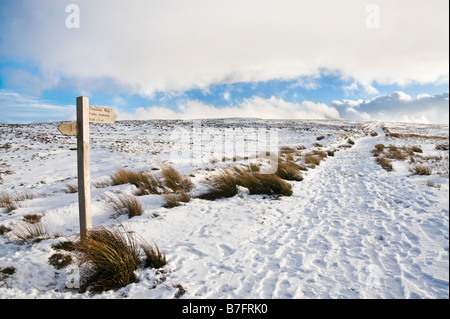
8 202
268 184
71 188
420 170
154 257
442 147
109 258
395 153
146 182
288 170
124 204
313 159
175 181
23 195
175 199
416 136
385 163
28 233
222 185
32 218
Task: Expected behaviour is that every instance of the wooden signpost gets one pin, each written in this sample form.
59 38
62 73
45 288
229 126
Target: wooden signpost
85 114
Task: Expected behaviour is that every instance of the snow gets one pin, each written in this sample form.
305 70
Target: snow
350 229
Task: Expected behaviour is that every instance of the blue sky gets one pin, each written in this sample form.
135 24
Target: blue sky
200 59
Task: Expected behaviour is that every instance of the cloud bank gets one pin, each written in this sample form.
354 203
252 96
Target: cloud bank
257 107
396 107
147 46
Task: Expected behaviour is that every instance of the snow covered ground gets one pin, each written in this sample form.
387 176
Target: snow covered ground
351 229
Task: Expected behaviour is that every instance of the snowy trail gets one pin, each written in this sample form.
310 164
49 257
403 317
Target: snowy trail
350 229
345 233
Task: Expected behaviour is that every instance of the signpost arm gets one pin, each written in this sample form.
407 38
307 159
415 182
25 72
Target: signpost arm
84 180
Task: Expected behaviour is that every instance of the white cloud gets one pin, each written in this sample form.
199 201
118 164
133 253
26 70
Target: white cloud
271 108
397 106
144 46
19 108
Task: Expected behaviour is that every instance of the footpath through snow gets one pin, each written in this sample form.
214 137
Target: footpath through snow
351 230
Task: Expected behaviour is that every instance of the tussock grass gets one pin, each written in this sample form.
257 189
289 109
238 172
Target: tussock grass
109 258
175 181
28 233
442 147
416 149
8 271
146 182
420 170
175 199
59 260
394 153
101 183
287 150
430 183
314 158
254 167
8 202
154 258
124 204
222 185
268 184
32 218
65 245
288 170
385 163
4 229
71 188
23 195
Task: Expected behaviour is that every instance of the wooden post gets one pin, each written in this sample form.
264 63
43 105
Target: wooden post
84 179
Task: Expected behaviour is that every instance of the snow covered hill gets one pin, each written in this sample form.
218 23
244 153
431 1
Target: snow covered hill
351 228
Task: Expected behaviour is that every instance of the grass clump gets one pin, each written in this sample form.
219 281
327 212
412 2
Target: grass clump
71 188
420 170
268 184
8 271
153 256
442 147
110 256
146 182
59 260
222 185
288 170
385 163
28 233
124 204
8 202
175 181
4 229
32 218
175 199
